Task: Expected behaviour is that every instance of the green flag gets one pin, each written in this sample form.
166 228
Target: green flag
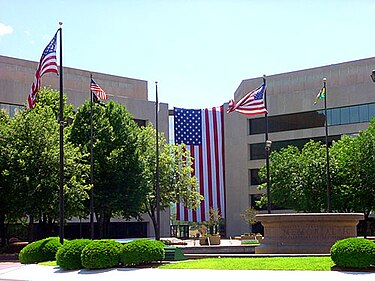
320 95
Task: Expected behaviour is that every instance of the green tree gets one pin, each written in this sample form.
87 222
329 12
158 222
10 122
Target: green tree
354 172
298 178
7 202
176 181
118 189
33 165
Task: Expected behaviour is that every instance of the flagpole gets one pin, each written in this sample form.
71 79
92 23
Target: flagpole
91 166
329 195
267 150
61 119
157 184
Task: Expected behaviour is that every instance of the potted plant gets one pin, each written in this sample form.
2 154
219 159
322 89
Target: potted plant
249 216
213 223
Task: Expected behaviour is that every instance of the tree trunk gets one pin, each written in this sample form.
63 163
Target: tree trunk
365 225
31 229
2 230
154 222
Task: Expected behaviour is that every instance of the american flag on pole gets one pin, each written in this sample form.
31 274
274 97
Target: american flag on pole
98 92
47 63
202 130
250 104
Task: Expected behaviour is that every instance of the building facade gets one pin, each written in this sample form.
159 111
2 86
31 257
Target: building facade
16 77
292 120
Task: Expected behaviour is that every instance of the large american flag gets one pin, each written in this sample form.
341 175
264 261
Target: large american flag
47 63
202 130
251 104
98 92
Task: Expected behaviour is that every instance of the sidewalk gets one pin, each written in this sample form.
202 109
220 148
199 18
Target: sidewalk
16 271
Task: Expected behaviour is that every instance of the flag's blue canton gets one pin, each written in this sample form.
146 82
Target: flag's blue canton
188 126
259 94
51 47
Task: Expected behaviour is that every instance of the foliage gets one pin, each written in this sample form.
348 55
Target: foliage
214 218
270 263
101 254
32 170
175 173
353 252
69 255
118 188
41 250
354 172
298 178
142 251
249 216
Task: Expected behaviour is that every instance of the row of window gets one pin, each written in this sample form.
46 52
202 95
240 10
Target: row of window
313 119
258 151
12 109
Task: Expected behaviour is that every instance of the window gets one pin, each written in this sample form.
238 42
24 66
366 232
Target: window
140 123
253 177
257 150
313 119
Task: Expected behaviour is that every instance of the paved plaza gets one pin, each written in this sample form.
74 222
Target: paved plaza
16 271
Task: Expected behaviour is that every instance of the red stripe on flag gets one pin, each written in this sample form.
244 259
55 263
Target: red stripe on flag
208 151
201 182
217 156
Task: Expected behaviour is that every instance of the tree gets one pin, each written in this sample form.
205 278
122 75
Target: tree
354 174
298 178
118 189
32 143
7 202
176 181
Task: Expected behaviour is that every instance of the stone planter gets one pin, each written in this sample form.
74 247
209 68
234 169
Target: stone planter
248 237
209 240
305 233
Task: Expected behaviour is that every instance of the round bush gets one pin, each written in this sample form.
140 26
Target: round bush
142 251
69 255
39 251
101 254
353 252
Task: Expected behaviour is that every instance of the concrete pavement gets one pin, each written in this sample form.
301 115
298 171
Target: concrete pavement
16 271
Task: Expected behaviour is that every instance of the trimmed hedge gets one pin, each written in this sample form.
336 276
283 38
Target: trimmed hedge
101 254
39 251
69 255
353 252
142 251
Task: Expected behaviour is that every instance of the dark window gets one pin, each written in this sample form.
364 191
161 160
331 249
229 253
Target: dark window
288 122
363 113
344 113
354 114
371 111
254 178
257 150
313 119
141 123
336 116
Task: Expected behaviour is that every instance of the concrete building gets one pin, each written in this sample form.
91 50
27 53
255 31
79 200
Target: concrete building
293 119
16 77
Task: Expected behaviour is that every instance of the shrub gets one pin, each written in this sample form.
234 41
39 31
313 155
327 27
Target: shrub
353 252
142 251
69 255
101 254
39 251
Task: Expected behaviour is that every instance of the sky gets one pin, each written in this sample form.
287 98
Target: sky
199 51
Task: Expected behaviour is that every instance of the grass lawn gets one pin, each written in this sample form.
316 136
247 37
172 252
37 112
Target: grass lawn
48 263
273 263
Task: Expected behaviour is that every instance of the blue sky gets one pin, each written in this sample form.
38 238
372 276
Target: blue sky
199 51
